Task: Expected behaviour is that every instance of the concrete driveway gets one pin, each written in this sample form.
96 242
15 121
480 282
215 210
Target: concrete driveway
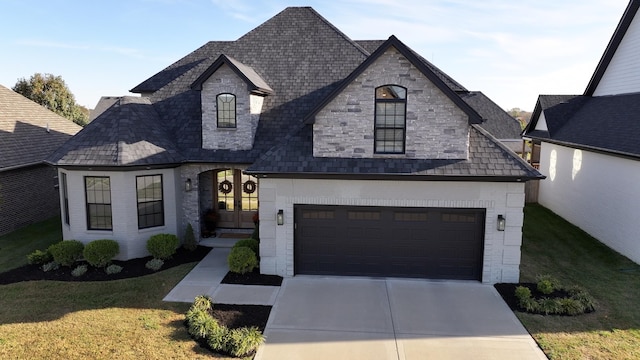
359 318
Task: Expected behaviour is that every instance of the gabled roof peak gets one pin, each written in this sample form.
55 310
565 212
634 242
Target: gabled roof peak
255 83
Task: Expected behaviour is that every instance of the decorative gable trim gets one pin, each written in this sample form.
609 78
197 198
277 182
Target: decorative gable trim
474 117
255 83
612 47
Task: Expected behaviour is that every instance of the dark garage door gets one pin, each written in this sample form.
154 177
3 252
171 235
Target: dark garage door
383 241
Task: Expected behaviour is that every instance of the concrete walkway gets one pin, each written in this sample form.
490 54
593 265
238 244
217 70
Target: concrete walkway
360 318
205 278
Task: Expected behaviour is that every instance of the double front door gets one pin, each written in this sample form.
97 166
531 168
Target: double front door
236 198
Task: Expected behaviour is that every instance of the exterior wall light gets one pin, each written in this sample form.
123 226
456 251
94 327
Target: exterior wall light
187 185
280 217
502 222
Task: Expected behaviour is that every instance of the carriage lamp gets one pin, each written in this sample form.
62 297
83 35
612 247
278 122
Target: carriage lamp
187 185
502 222
280 217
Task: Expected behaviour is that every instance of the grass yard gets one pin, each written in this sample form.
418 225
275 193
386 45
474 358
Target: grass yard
553 246
120 319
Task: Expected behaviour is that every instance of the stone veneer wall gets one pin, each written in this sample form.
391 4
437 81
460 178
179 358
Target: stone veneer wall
248 108
501 259
435 127
27 195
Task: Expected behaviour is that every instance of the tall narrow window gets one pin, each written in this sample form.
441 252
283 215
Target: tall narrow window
98 195
390 119
226 105
65 199
150 204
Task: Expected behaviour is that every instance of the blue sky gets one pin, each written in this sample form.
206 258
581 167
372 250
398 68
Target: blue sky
510 50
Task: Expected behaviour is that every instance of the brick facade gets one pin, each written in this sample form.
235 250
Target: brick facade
27 195
248 108
436 128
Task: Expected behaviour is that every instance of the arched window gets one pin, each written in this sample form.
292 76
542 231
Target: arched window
390 119
226 107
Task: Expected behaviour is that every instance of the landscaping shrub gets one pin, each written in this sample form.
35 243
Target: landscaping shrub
202 302
154 264
66 252
39 257
244 341
577 301
50 266
547 284
242 260
190 242
218 339
99 253
163 246
79 270
250 243
200 323
113 269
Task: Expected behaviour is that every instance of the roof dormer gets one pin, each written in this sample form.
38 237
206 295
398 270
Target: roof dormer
232 95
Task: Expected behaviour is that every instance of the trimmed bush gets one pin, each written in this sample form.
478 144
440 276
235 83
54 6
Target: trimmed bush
190 242
154 264
113 269
547 284
39 257
80 270
163 246
66 252
202 302
242 260
50 266
250 243
244 341
99 253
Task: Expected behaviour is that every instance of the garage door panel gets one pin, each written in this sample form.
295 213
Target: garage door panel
380 241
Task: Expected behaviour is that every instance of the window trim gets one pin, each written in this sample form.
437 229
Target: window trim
161 201
65 199
86 200
219 110
376 127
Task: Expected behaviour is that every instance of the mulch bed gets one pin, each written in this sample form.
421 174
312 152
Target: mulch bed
252 278
130 269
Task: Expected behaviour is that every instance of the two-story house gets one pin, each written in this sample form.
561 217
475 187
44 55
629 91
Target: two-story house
361 157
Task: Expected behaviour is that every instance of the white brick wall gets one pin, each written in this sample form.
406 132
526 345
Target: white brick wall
124 210
502 248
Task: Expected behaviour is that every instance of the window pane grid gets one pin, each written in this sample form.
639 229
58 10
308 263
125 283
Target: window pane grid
98 195
390 119
226 110
150 202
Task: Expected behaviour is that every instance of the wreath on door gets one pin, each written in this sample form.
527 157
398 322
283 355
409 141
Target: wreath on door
249 187
225 187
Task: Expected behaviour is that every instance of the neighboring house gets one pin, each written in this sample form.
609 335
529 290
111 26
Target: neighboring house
28 134
588 145
361 157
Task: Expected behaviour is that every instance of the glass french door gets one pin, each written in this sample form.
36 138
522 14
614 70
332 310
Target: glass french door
236 198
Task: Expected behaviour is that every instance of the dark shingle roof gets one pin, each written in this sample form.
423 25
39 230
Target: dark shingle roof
128 134
24 138
297 58
604 123
488 158
496 121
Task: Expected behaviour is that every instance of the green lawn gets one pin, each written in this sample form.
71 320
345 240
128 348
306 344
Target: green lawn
15 247
553 246
120 319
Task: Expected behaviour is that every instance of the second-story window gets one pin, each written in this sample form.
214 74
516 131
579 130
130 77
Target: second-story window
226 107
390 119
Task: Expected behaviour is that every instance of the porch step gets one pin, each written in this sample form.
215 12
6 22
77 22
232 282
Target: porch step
222 241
